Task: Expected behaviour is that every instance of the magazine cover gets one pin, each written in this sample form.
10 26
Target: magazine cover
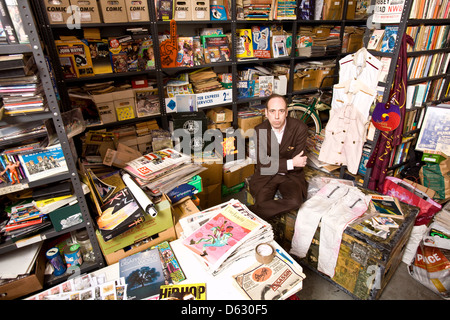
147 102
214 241
146 56
389 38
191 291
44 163
149 165
387 206
265 86
143 274
170 262
244 43
261 41
273 281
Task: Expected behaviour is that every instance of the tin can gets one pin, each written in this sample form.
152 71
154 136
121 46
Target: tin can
72 254
56 261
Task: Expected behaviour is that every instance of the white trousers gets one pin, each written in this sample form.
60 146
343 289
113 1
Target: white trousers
336 205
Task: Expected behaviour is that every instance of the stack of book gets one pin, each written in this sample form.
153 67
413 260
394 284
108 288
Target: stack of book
223 234
257 9
20 88
24 220
204 80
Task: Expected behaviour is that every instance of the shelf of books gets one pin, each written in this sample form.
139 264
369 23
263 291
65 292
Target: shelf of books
42 197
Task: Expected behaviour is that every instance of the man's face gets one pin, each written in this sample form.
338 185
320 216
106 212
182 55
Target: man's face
276 112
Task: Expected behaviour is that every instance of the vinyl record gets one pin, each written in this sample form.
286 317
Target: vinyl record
386 117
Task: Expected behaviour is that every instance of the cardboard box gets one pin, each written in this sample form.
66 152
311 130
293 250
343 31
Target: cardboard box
351 9
88 10
66 217
433 156
210 196
105 107
150 227
182 10
231 179
311 79
113 11
220 115
27 285
280 85
220 126
249 123
200 10
182 210
430 192
56 11
124 104
137 10
332 9
214 169
166 235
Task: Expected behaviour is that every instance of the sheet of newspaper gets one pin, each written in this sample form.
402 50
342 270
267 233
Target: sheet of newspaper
276 280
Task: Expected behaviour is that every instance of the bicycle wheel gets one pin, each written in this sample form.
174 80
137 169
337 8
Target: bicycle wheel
306 115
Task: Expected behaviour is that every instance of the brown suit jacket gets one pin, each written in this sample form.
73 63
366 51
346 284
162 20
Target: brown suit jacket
292 143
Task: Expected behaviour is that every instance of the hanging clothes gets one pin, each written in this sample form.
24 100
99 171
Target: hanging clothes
335 205
345 132
379 159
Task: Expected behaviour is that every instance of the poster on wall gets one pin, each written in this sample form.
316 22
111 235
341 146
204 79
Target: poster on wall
388 11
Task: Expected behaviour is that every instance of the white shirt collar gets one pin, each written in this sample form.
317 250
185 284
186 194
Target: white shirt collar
279 133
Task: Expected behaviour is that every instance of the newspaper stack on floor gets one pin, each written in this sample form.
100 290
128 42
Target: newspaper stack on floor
163 170
224 234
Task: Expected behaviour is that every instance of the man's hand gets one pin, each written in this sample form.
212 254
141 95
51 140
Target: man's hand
299 160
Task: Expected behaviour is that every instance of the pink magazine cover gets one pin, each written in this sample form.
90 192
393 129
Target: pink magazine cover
214 240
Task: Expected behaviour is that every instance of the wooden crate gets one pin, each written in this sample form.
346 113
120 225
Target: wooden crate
365 263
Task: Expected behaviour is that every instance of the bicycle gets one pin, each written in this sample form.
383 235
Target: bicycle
310 112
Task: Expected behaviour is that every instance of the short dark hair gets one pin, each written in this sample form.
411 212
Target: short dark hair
275 95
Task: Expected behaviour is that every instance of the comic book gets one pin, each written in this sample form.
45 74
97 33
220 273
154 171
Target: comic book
75 54
265 85
261 41
244 40
146 57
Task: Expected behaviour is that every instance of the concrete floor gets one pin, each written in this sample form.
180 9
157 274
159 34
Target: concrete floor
401 287
315 287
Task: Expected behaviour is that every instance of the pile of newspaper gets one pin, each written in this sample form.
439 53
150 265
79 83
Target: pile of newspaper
163 170
223 234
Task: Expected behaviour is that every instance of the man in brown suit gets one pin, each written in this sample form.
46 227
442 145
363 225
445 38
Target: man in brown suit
280 142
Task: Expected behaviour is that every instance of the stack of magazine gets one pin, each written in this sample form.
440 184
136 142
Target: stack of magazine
163 170
221 235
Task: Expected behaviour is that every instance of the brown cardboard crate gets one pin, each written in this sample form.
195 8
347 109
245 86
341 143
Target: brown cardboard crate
25 286
113 11
89 11
231 179
137 10
56 11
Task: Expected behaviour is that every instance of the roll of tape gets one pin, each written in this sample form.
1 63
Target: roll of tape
264 253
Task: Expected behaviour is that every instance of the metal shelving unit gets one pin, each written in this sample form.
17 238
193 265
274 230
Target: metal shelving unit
54 113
